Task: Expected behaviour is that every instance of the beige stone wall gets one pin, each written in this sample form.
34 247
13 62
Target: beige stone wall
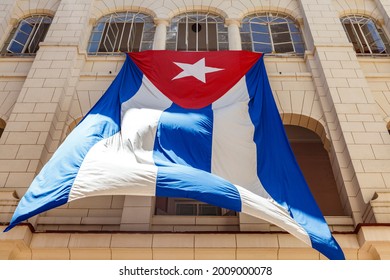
370 243
342 97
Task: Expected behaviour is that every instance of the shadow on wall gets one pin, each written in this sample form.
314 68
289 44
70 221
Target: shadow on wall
388 127
315 164
2 126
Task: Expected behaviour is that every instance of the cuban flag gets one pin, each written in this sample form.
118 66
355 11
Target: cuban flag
199 125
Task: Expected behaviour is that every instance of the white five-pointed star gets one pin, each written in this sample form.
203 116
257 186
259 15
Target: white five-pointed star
197 70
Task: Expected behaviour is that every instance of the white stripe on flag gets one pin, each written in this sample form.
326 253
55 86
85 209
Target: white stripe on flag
233 145
123 164
111 169
269 210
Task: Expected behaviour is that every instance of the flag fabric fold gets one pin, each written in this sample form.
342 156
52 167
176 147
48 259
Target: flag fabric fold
199 125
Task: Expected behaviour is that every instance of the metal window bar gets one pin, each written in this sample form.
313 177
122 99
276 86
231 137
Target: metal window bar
194 18
361 37
269 19
207 34
121 32
132 36
291 39
121 37
186 33
361 33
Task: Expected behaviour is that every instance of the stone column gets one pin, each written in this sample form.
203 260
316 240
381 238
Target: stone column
234 33
160 36
356 130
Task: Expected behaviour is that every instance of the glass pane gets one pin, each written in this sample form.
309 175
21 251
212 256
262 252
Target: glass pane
170 46
277 28
15 47
171 37
293 27
246 37
245 27
261 38
259 28
99 27
21 37
223 46
277 19
284 48
299 48
296 37
93 47
96 36
247 47
25 27
222 37
149 27
281 38
148 36
264 48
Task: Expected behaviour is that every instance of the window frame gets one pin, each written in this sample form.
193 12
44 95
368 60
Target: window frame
356 24
102 27
268 20
35 22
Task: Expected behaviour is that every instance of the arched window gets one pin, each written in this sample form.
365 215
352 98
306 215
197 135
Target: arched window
122 32
365 35
197 32
315 165
271 33
25 38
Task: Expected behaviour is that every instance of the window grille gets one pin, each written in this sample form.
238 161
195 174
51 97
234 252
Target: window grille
197 32
365 35
271 33
25 38
122 32
189 207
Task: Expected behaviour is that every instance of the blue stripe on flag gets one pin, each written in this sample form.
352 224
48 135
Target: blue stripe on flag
277 168
184 136
182 152
52 185
186 182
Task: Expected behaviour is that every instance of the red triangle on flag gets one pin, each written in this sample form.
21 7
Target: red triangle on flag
194 79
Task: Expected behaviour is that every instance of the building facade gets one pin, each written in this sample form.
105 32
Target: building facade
328 62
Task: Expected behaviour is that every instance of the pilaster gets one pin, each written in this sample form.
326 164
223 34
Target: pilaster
354 125
38 119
